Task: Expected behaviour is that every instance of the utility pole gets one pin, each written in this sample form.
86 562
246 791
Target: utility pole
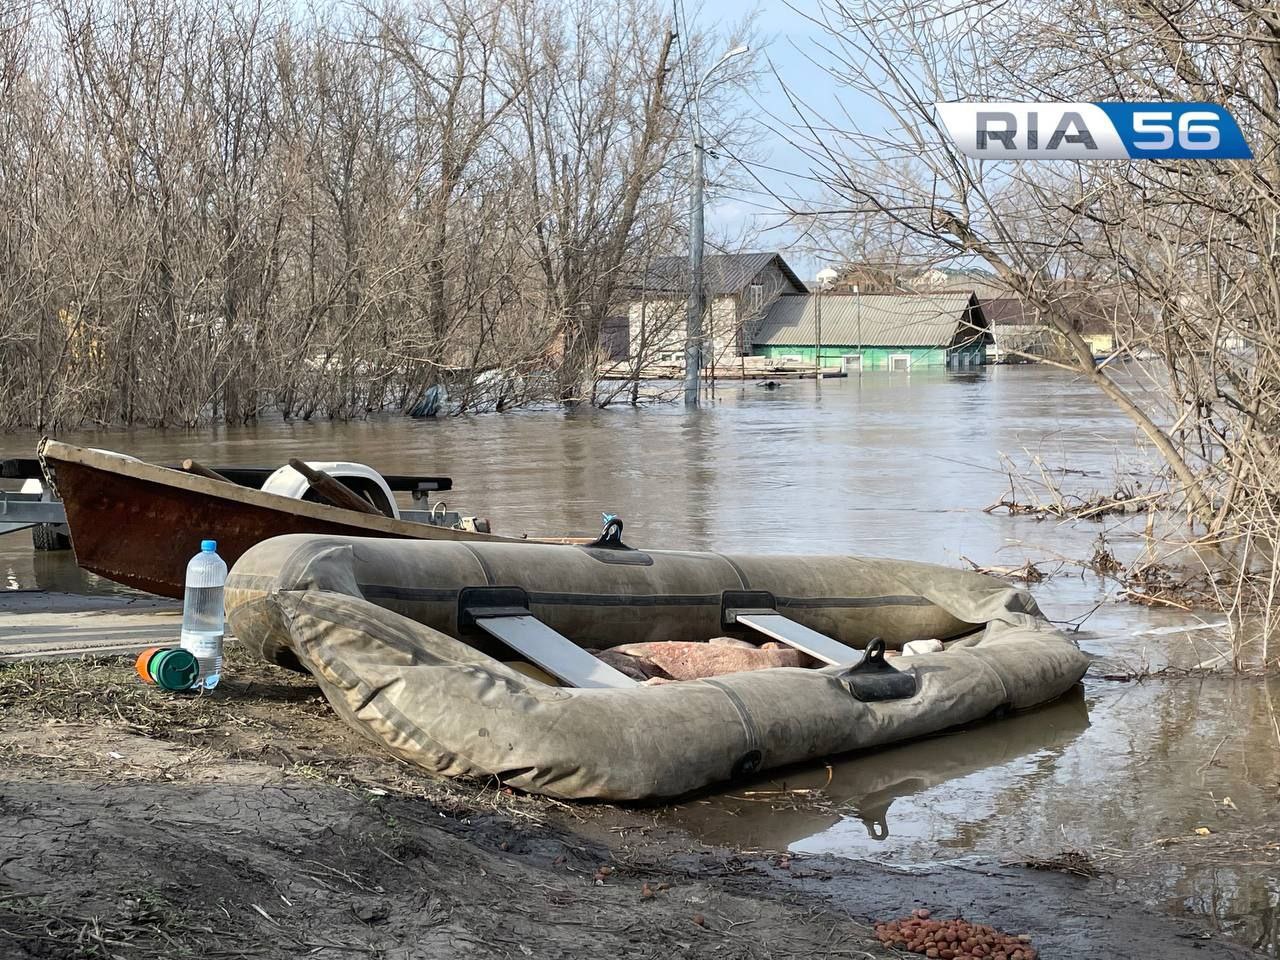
817 339
822 283
697 299
857 299
693 317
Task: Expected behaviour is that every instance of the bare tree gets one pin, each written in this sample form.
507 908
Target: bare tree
216 209
1186 247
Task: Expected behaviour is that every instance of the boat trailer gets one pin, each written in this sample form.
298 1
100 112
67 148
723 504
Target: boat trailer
33 507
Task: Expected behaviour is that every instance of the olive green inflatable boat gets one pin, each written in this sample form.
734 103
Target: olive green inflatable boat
408 641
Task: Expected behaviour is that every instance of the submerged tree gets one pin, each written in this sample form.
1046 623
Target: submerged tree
215 209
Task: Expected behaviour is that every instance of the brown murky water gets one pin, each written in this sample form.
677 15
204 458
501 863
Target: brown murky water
897 466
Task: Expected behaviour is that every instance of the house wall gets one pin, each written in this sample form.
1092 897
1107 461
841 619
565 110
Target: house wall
1021 341
720 327
753 306
729 324
614 333
877 358
656 330
664 320
1100 343
1011 342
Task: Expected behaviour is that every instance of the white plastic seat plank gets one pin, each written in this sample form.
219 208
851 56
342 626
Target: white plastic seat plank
797 635
541 645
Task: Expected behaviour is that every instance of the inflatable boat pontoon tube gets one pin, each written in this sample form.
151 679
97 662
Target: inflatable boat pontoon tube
394 633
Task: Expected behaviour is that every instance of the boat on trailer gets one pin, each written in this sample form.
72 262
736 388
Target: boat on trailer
489 659
138 523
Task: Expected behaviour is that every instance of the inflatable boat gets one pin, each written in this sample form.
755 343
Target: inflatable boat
477 658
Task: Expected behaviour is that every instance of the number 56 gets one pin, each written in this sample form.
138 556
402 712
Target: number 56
1197 129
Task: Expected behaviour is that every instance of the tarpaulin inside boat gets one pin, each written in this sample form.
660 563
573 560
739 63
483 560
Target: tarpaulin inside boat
376 622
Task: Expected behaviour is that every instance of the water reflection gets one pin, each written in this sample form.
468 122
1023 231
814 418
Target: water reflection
777 812
1241 902
887 465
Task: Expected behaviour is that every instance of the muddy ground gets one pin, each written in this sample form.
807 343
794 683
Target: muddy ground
252 823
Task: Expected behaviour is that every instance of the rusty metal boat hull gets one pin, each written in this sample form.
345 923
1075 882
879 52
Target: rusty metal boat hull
138 524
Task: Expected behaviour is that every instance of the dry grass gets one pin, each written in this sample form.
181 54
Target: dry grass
60 718
148 925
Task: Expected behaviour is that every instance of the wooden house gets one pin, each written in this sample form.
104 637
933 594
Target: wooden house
739 287
893 331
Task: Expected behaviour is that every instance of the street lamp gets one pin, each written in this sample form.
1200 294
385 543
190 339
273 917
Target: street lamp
693 317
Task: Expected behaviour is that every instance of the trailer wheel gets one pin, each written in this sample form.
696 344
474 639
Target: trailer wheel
45 536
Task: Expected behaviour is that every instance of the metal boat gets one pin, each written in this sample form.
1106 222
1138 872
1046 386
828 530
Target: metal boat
138 523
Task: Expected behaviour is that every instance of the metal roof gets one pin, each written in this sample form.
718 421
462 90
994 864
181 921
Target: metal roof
875 320
722 273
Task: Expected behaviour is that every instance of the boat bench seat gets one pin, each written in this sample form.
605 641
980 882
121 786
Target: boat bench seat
539 644
528 636
817 645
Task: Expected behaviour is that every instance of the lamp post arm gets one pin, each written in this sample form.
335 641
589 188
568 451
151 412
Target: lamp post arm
697 91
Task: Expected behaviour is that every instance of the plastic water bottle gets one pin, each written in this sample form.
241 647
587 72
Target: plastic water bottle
202 613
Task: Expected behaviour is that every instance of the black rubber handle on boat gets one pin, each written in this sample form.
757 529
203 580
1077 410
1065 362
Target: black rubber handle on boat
611 536
493 601
872 680
873 655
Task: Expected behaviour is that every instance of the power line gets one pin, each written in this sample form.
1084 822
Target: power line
682 34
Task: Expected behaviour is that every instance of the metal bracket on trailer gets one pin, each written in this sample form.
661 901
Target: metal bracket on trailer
18 511
28 508
503 613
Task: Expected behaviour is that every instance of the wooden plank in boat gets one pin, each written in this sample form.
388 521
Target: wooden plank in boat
784 630
541 645
24 468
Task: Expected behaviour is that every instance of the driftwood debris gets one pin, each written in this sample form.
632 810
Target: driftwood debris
200 470
1027 572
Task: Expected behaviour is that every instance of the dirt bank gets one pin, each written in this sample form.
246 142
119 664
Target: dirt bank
251 823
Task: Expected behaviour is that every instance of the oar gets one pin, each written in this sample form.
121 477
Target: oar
333 491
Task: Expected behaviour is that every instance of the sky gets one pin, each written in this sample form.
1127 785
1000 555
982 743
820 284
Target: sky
790 45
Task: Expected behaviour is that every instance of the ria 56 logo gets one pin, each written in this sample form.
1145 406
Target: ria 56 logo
1094 131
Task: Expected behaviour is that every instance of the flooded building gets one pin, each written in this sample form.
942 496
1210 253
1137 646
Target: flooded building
758 306
1021 333
740 289
891 331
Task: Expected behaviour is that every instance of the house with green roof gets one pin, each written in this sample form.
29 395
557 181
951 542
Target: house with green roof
889 331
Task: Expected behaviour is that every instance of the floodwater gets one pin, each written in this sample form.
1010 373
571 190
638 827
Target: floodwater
890 465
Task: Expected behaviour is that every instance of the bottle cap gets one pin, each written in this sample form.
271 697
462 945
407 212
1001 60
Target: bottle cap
208 546
143 664
175 669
